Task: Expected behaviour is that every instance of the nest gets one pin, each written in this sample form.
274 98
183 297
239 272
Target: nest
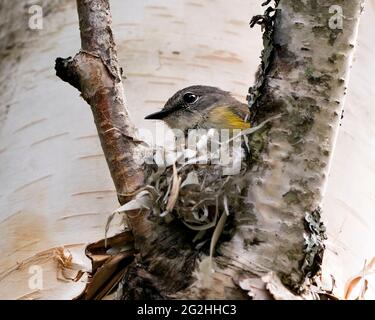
201 196
196 194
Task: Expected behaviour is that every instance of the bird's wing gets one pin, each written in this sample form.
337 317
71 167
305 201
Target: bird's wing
230 116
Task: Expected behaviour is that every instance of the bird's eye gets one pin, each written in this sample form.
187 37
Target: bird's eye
190 97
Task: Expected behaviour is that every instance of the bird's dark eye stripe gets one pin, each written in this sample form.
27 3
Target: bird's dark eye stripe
190 97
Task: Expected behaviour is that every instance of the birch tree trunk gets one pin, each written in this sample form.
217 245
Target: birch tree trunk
53 174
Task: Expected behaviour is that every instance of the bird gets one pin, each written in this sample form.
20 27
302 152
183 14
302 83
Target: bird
203 107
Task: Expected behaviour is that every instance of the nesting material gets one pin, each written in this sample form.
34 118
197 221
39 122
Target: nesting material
198 191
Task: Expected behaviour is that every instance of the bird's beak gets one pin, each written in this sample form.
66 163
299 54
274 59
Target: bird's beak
157 115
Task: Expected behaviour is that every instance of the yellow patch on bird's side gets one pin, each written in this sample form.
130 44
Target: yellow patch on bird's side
224 117
234 121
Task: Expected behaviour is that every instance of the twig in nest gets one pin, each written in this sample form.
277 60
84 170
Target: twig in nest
174 191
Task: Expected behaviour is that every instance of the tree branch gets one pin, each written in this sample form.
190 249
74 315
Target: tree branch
95 72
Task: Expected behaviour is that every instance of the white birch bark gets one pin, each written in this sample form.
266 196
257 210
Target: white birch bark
349 201
55 188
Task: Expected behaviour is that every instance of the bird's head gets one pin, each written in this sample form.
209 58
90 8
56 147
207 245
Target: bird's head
200 107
